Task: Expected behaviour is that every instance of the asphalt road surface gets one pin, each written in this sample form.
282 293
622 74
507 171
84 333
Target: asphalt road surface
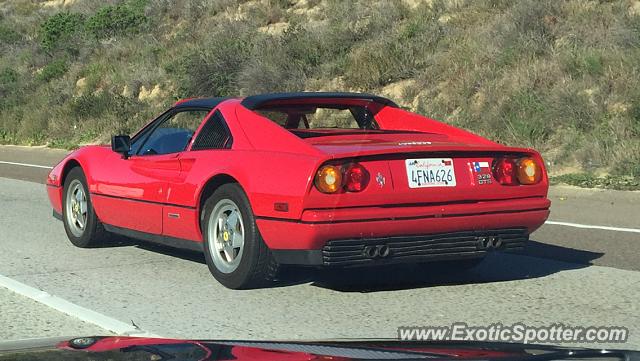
570 274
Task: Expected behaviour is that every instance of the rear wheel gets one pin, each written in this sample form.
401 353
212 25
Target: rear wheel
80 221
234 250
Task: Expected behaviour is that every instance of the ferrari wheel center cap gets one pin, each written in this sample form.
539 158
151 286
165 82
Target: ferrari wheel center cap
225 236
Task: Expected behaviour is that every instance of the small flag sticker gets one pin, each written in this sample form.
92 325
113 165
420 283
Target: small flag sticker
478 166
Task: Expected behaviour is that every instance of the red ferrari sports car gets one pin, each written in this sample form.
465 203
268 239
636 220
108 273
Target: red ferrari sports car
318 179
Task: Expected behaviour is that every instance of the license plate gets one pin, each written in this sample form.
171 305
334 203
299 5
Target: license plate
430 172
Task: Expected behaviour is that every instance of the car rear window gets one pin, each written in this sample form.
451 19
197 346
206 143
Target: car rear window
302 117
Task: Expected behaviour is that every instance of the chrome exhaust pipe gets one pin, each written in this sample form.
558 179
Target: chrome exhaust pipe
383 250
489 243
379 251
370 251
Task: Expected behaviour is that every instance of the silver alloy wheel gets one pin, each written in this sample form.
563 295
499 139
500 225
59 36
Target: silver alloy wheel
226 236
76 208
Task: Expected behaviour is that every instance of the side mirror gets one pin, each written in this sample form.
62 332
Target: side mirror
121 144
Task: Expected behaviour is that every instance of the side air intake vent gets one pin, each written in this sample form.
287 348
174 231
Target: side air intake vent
213 135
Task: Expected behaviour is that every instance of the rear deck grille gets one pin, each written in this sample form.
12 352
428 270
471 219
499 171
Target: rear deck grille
433 247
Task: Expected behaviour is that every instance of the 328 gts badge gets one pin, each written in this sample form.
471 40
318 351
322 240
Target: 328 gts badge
484 178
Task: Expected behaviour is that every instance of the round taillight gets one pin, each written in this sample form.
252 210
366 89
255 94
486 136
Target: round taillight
328 179
529 171
356 177
504 171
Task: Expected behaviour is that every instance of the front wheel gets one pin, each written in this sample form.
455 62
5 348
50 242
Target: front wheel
234 250
80 221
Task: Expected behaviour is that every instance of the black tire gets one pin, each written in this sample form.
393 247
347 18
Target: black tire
256 267
93 234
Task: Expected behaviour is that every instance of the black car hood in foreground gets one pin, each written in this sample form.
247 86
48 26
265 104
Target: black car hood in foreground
148 349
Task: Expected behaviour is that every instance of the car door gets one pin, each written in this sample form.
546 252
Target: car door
208 152
133 192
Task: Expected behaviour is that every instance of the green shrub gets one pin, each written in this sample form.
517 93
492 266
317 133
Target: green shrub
96 105
587 180
535 20
8 76
212 68
92 117
269 13
377 63
33 127
398 55
272 71
8 84
59 29
54 70
634 114
303 46
283 63
524 118
8 35
584 63
118 19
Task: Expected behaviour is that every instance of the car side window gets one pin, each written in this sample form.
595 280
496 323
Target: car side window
173 134
138 139
214 134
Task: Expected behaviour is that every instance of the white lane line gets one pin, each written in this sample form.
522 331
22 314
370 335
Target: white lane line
589 226
110 324
26 164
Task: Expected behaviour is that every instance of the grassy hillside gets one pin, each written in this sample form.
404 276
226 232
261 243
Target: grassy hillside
560 76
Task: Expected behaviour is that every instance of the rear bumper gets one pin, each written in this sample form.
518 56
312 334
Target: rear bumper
408 249
304 241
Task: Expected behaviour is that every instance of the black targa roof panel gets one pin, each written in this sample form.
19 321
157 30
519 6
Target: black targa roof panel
256 101
208 103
